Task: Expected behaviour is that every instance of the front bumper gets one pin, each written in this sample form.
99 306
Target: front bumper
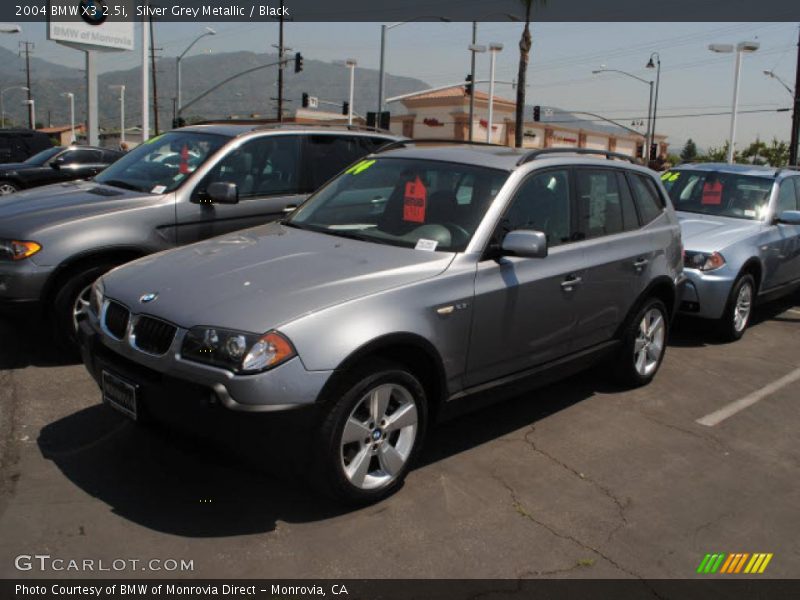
21 286
705 294
168 378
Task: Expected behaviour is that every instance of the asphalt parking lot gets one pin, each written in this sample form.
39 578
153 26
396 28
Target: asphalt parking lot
578 479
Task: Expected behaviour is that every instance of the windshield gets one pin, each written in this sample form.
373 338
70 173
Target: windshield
162 163
422 204
42 157
719 194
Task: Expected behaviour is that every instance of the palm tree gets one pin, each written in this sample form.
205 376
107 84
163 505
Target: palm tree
524 53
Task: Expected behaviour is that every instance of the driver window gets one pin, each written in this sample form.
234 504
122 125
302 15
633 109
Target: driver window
267 166
787 198
542 203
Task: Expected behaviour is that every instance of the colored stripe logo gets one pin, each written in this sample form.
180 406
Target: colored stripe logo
732 564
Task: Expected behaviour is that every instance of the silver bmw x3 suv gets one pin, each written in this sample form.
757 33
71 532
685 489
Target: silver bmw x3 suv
421 277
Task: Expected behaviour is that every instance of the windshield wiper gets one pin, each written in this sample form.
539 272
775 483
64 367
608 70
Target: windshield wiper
121 184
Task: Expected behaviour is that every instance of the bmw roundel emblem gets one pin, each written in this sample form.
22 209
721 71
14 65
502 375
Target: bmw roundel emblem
93 12
147 298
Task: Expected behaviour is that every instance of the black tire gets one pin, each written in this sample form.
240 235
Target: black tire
625 369
61 310
8 187
728 329
330 454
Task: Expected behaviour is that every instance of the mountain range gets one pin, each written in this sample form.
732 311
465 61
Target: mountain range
244 97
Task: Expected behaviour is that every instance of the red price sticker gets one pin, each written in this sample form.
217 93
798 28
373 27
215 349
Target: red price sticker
183 167
712 193
414 201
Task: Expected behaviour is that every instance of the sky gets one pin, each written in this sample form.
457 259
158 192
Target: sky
693 79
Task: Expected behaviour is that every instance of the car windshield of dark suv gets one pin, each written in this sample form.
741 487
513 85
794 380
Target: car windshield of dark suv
719 194
404 202
162 163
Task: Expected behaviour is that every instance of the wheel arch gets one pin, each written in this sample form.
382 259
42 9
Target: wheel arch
412 351
753 266
661 287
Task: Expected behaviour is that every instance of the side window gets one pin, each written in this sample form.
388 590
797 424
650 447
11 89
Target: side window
599 203
79 157
266 166
327 155
542 203
787 195
646 197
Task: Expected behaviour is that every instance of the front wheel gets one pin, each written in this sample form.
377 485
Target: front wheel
6 188
372 434
737 313
644 343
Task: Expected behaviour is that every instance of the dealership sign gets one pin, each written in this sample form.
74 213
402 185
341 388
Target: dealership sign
90 25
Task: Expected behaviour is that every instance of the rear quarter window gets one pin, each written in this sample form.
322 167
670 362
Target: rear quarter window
646 196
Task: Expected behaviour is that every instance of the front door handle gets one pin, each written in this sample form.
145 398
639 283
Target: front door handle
640 263
570 283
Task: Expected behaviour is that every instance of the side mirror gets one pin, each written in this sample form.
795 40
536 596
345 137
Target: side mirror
525 243
221 192
56 164
789 217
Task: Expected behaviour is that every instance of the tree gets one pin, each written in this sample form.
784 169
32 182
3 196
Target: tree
777 153
716 154
689 152
753 154
524 56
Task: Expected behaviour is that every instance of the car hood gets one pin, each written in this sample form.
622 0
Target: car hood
262 278
5 167
25 211
709 233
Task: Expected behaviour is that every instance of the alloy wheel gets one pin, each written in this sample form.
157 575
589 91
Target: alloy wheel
744 304
378 436
649 343
6 189
81 307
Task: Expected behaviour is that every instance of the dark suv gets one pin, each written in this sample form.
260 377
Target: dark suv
184 186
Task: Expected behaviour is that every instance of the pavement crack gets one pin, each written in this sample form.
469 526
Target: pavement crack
605 490
710 440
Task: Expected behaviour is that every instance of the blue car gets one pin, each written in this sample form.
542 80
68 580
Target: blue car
741 233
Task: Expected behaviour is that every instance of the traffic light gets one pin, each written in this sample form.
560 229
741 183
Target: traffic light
653 151
298 62
345 108
305 100
469 85
537 113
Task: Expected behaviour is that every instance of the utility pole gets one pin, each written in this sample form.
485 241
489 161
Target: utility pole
280 67
793 150
27 48
154 74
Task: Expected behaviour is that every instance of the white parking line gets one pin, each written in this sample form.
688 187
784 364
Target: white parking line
718 416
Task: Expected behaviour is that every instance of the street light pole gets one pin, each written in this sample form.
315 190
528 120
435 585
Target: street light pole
121 89
2 104
795 140
382 69
351 62
71 97
472 51
32 111
657 66
178 60
494 48
647 140
740 49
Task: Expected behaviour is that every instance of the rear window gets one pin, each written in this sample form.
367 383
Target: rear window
646 196
719 194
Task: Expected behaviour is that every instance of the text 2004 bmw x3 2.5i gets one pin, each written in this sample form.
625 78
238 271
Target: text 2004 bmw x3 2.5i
419 277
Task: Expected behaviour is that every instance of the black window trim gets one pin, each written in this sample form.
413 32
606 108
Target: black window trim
629 175
620 172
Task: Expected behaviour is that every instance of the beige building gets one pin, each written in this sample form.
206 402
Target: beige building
445 114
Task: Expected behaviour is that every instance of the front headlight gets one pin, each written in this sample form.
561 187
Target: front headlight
237 351
704 261
17 250
96 297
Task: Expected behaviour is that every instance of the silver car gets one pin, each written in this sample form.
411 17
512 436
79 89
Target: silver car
420 278
741 231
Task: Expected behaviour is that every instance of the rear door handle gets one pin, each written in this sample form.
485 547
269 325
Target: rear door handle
640 263
570 283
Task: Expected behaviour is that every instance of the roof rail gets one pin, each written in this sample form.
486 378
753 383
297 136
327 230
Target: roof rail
258 124
788 168
534 154
401 143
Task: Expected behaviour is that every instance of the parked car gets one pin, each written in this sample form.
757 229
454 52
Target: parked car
17 145
56 240
741 230
55 165
418 278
